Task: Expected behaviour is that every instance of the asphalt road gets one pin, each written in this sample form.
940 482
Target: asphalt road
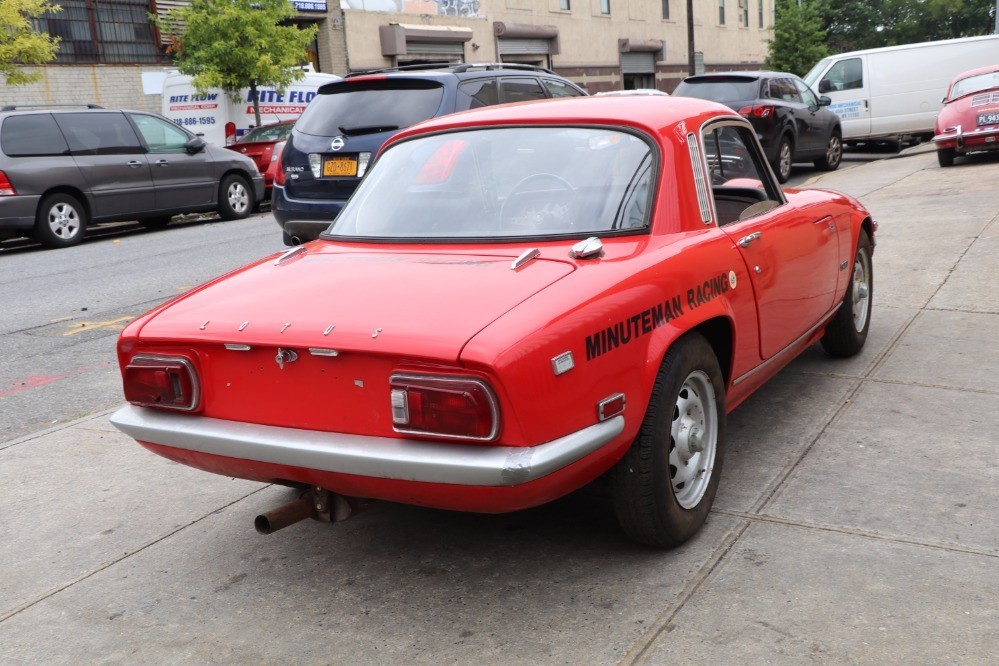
62 309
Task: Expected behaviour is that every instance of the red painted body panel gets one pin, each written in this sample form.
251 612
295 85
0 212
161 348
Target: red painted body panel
459 309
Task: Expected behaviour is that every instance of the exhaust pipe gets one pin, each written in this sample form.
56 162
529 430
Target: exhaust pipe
295 240
317 503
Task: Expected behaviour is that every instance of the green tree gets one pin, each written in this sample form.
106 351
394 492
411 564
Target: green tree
236 44
799 40
852 25
21 43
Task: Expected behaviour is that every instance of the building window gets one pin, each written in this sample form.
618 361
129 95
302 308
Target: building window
665 10
605 6
564 5
721 12
761 13
103 31
744 19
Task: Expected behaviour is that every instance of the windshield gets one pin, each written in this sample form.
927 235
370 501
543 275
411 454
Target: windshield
974 84
366 107
813 74
268 133
724 90
503 183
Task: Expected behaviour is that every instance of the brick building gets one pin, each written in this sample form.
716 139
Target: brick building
601 44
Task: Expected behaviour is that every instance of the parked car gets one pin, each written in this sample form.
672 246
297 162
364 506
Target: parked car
62 170
264 145
790 120
345 125
893 92
969 121
515 301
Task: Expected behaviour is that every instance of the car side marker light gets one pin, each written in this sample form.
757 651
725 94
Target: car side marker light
610 406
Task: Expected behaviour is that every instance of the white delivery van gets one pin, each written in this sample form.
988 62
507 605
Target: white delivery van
223 118
895 92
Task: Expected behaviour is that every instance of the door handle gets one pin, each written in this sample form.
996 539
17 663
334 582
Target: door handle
135 164
162 163
746 240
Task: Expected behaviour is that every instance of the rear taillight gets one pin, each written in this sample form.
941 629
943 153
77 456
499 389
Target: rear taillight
6 189
453 407
279 167
230 133
167 382
757 111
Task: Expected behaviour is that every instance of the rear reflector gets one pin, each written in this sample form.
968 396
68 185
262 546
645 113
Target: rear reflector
166 382
610 406
6 189
452 407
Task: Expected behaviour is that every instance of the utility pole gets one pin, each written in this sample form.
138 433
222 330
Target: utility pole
690 36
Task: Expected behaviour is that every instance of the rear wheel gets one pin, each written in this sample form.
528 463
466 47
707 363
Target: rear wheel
785 158
834 153
945 156
847 332
235 198
663 488
61 221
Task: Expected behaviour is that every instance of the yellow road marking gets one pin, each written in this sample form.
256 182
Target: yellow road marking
116 324
811 181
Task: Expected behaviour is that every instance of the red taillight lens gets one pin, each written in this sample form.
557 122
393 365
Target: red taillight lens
168 382
230 133
454 407
279 167
6 189
757 111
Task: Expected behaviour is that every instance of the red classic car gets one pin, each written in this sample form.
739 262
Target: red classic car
264 144
969 120
516 301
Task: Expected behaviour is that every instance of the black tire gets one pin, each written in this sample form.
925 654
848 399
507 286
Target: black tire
847 332
834 153
785 157
61 221
159 222
945 156
649 508
235 197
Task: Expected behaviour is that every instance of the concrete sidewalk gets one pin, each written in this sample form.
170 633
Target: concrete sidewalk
856 519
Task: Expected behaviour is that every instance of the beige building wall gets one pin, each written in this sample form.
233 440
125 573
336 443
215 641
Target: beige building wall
110 86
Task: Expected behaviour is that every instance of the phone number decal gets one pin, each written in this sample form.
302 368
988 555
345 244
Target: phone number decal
204 120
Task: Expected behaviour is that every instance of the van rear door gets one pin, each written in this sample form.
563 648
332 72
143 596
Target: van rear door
847 83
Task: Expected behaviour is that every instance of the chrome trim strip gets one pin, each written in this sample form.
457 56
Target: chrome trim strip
289 253
379 457
822 322
525 257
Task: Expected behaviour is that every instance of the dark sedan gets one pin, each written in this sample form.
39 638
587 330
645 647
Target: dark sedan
790 120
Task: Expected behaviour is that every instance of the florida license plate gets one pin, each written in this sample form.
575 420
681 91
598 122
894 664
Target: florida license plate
988 118
340 166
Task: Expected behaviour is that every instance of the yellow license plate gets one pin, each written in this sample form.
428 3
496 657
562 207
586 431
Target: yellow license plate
340 166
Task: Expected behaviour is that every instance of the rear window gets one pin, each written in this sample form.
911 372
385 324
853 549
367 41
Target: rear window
976 83
367 107
31 136
719 89
270 133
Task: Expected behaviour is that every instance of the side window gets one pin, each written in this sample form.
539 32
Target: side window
160 135
33 135
520 89
99 134
740 184
844 75
807 96
784 90
558 88
477 93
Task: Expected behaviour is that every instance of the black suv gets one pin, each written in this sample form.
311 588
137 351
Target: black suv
790 120
342 129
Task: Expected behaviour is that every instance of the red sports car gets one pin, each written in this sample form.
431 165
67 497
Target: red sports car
969 120
516 301
264 144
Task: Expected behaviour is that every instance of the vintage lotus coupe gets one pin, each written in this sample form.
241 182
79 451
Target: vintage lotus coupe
516 301
969 120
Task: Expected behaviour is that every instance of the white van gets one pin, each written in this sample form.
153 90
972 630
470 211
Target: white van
222 118
896 92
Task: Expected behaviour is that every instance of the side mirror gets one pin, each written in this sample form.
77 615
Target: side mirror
825 86
943 100
195 145
824 101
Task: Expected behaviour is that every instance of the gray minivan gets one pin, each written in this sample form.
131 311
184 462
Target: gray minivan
62 170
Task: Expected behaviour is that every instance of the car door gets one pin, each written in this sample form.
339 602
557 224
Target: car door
784 90
816 118
110 157
791 255
182 180
845 83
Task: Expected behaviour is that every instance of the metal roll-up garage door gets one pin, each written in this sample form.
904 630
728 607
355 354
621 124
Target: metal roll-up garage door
525 47
642 62
448 49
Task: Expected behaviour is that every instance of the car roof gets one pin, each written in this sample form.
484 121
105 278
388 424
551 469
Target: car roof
975 72
654 114
760 74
